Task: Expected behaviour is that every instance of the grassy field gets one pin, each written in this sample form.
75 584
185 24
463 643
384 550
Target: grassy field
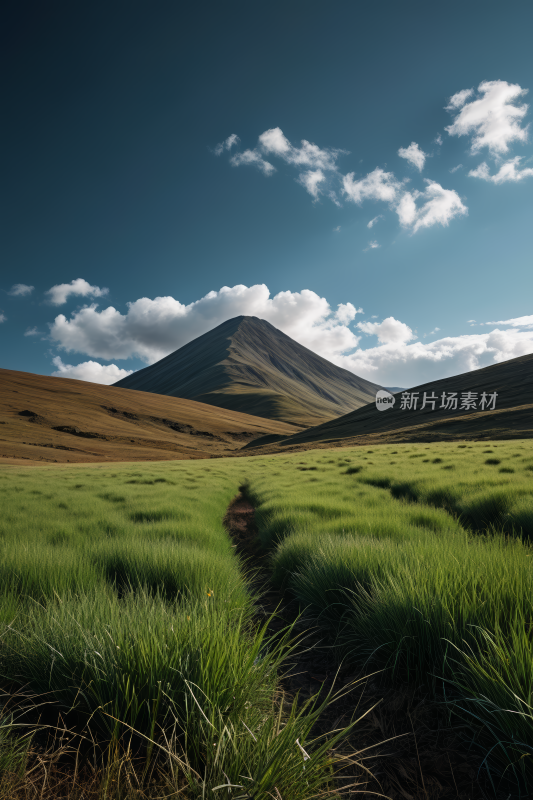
419 559
124 605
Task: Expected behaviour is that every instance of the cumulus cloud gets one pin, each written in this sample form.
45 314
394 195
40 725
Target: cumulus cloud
346 312
316 161
60 293
440 206
32 332
413 363
414 155
153 328
377 185
311 181
20 290
90 371
492 119
227 144
372 245
390 331
274 142
252 158
509 171
516 322
458 100
438 139
374 221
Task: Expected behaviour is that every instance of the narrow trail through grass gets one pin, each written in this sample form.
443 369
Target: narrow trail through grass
407 749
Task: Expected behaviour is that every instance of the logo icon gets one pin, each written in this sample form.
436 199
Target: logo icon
384 400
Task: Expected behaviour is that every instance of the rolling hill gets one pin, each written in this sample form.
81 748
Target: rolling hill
512 416
45 419
248 365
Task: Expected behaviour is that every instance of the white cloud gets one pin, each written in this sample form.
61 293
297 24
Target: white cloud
20 290
493 118
59 294
438 139
253 158
337 229
517 322
153 328
414 155
507 172
375 221
372 245
411 364
32 332
3 317
454 169
459 99
227 144
311 180
377 185
346 312
440 207
318 161
390 331
90 371
275 142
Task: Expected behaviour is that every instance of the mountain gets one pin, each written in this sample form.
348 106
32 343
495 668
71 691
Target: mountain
248 365
511 418
45 419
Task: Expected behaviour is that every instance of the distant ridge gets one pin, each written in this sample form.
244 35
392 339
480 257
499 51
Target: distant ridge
247 365
511 418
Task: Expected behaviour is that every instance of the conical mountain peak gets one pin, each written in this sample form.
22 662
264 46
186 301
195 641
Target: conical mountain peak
246 364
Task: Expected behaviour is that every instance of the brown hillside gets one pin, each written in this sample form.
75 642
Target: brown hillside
106 423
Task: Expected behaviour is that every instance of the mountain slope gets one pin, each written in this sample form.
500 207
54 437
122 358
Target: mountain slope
45 419
512 416
247 365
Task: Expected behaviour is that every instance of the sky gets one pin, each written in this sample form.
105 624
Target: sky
358 174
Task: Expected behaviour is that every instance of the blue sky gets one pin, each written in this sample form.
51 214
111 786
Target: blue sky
202 161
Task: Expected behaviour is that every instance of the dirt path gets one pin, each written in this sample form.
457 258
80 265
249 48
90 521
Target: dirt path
411 752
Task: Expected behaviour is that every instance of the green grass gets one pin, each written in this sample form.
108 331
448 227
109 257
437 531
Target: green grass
122 598
124 606
414 567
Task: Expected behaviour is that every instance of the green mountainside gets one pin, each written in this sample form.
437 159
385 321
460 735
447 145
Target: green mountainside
247 365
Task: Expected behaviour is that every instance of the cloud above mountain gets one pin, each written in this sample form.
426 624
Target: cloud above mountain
492 119
151 329
90 371
510 171
492 116
21 290
59 294
414 155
